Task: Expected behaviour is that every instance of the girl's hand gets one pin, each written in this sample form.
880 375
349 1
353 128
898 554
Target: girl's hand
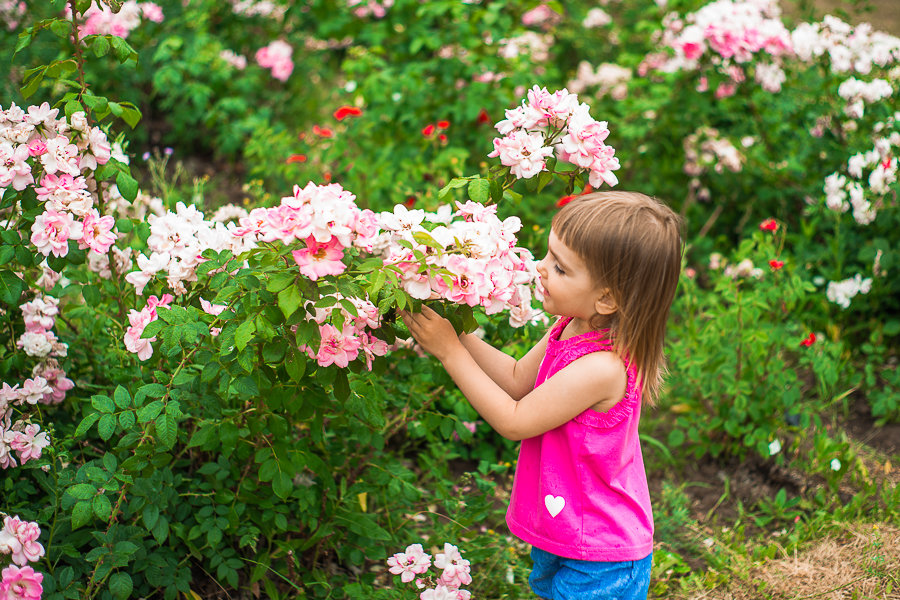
433 332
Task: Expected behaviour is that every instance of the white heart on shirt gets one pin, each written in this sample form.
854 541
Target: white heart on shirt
554 504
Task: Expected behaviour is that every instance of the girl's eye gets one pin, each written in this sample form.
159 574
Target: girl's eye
558 270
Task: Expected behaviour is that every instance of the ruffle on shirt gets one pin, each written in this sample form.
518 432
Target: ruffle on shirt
575 347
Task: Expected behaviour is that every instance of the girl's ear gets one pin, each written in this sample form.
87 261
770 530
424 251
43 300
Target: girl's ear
604 304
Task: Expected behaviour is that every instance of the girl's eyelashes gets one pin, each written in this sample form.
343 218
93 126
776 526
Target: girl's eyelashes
558 270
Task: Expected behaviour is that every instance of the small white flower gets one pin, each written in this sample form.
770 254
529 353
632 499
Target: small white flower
835 464
774 447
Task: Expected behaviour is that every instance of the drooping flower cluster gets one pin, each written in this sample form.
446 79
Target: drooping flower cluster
596 17
473 260
848 49
99 19
176 242
48 384
261 8
532 45
859 93
541 16
366 8
705 150
238 61
744 269
729 34
413 565
607 78
866 187
11 12
341 346
324 217
547 122
57 159
841 292
138 321
277 57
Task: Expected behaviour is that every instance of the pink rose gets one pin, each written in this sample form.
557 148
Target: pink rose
21 584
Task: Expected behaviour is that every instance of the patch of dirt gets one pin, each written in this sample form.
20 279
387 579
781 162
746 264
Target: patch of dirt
861 427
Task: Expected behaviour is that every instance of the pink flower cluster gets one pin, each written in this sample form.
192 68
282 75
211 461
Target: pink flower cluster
176 243
730 34
20 539
365 8
705 150
546 122
11 11
607 78
138 321
324 217
26 439
37 146
277 56
414 563
473 260
101 20
340 346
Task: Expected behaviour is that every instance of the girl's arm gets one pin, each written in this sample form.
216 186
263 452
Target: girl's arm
598 377
516 377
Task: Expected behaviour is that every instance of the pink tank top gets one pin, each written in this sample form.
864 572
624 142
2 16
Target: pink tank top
580 490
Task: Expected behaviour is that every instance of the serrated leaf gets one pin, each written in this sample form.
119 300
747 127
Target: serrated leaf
82 491
166 430
244 334
282 485
11 288
103 403
81 514
127 419
150 411
153 390
479 190
107 426
102 507
100 45
86 424
289 300
122 397
120 585
150 514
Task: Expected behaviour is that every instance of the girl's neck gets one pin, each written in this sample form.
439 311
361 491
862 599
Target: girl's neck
576 326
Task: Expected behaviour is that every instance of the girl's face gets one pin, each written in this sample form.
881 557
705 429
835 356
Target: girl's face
569 290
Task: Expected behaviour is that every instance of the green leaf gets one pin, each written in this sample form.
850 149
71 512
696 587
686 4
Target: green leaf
161 530
455 183
100 45
123 398
289 300
279 281
127 419
341 385
82 491
107 426
479 190
81 514
102 507
244 334
120 585
11 288
103 403
86 424
282 485
24 40
153 390
128 186
150 411
150 514
166 430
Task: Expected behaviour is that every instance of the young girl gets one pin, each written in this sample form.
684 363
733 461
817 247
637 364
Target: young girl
580 495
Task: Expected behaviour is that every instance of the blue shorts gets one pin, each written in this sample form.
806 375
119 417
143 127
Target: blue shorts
558 578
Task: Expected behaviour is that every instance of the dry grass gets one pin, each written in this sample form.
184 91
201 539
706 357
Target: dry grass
862 563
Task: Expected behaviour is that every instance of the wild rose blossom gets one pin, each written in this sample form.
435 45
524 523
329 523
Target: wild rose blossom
841 292
21 584
101 20
546 122
413 565
139 320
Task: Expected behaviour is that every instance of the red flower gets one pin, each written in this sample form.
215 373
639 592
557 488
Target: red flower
322 131
296 158
776 264
346 111
327 177
565 200
443 124
410 202
443 138
428 130
809 341
768 225
483 117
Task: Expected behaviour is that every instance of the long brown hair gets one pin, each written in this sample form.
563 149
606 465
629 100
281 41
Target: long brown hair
632 244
